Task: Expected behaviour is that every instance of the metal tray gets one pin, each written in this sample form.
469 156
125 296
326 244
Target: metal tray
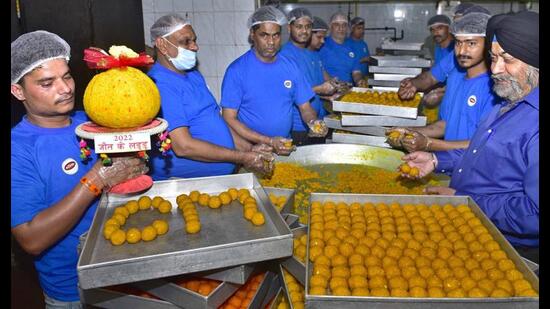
279 297
395 70
402 45
387 121
334 123
104 298
226 238
237 275
284 284
373 109
292 220
401 61
288 207
394 89
292 264
391 77
318 301
384 83
262 291
271 293
350 138
166 290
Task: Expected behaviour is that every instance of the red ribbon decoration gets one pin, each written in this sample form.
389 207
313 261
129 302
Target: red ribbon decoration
97 58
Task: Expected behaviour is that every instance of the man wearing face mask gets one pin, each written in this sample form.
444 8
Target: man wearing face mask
339 59
202 143
261 87
468 98
500 168
300 23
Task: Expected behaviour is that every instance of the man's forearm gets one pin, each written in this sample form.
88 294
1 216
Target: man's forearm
307 112
434 130
424 81
443 145
246 133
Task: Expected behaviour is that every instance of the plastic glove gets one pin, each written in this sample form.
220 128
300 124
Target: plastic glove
415 141
406 89
317 128
262 148
282 146
326 88
121 169
395 136
258 162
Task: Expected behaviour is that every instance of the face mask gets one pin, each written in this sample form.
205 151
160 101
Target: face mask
185 60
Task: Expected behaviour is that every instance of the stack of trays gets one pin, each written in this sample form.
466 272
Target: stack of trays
327 300
369 120
390 70
228 248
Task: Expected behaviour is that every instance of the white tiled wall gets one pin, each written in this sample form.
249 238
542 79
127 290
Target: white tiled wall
221 31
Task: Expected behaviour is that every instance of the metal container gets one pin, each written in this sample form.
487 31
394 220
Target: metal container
401 61
394 89
274 288
284 284
226 238
262 291
182 297
391 77
387 121
350 138
237 275
292 220
401 45
395 70
373 109
288 207
334 123
279 298
292 264
384 83
104 298
323 301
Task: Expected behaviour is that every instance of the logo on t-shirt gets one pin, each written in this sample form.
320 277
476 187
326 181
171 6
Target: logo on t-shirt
351 54
472 100
69 166
288 84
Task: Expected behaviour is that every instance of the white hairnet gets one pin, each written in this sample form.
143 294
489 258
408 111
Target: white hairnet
473 24
166 25
298 13
34 48
266 14
338 17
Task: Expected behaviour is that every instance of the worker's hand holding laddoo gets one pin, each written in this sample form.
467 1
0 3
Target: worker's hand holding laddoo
395 136
423 162
317 128
262 148
258 162
282 146
406 89
326 89
439 190
121 169
415 141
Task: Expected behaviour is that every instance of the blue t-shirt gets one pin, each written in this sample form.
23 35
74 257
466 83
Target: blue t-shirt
442 69
309 64
361 50
187 102
440 53
264 93
339 60
45 167
466 102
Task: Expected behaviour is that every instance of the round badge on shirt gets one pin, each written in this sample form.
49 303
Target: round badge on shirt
288 84
351 54
472 100
69 166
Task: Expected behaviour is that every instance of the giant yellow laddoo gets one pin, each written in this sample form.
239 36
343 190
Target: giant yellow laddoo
121 98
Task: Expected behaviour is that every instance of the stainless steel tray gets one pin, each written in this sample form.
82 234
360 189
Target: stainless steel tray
103 298
185 298
292 264
278 299
317 301
226 238
387 121
384 83
334 123
401 61
288 207
392 77
284 284
402 45
394 89
374 109
351 138
395 70
292 220
262 291
271 293
237 275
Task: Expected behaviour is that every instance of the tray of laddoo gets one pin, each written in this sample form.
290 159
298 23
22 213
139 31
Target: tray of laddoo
411 251
377 102
296 263
182 226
